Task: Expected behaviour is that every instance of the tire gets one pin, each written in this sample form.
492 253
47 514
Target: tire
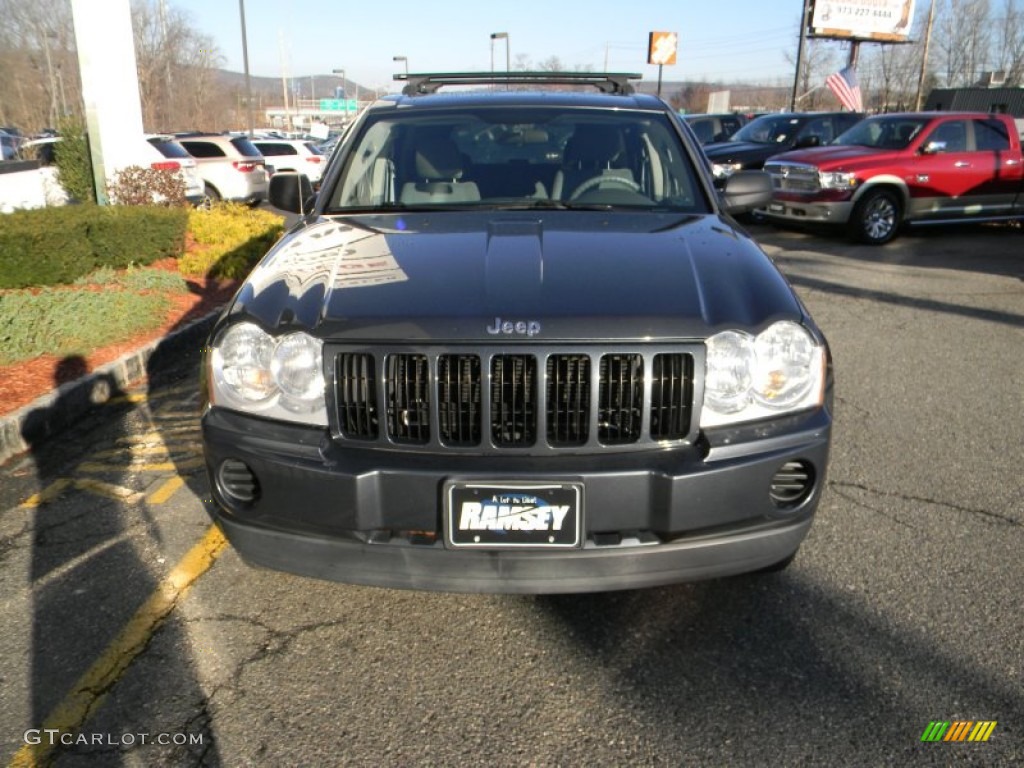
877 217
210 196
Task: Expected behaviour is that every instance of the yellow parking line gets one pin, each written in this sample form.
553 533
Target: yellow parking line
90 690
167 489
153 437
49 493
108 490
139 397
159 466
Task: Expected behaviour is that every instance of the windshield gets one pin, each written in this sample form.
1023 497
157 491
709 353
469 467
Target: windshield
768 129
526 157
883 132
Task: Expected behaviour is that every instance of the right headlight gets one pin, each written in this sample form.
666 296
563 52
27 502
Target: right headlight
277 377
756 377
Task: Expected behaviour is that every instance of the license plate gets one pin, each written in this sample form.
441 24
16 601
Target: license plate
513 514
777 208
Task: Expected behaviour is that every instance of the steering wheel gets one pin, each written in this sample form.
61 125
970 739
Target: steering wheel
594 181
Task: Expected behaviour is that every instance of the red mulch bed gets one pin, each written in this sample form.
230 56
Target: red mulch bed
23 382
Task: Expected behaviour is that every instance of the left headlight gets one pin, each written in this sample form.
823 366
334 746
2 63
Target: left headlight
756 377
277 377
725 170
837 180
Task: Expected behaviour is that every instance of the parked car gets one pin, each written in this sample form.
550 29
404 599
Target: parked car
9 144
231 167
912 168
771 134
711 128
178 159
157 152
295 155
518 344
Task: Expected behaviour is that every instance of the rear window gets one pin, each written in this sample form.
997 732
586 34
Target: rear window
203 149
246 147
274 149
169 148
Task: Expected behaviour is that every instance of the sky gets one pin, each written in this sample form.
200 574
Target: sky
725 41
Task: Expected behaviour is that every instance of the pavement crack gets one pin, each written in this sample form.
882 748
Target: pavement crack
838 486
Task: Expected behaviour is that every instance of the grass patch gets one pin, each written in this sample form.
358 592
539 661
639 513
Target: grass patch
78 320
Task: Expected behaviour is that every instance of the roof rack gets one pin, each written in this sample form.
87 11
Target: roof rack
429 82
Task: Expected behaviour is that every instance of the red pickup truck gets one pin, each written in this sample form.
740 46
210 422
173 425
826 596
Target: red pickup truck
919 168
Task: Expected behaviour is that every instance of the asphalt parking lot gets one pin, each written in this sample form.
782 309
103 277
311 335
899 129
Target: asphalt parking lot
133 636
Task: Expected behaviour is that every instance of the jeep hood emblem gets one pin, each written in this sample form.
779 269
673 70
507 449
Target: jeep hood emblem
514 327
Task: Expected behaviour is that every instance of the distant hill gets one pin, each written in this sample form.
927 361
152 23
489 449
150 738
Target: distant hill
270 89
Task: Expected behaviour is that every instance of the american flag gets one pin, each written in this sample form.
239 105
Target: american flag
846 88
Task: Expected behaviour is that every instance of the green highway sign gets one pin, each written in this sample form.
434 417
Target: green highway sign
338 105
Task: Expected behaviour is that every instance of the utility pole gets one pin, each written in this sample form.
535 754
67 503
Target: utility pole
924 57
799 54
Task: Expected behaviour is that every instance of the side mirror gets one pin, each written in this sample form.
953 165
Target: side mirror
933 148
747 190
291 192
808 141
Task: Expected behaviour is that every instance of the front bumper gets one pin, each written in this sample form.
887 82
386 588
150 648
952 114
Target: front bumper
833 212
374 517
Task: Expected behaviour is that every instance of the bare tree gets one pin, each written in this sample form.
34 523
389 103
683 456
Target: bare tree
177 67
819 62
40 81
1009 43
961 38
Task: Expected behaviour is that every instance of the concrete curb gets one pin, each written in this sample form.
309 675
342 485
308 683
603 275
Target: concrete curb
51 414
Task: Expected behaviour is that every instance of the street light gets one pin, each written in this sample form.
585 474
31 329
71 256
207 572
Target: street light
404 60
508 58
248 80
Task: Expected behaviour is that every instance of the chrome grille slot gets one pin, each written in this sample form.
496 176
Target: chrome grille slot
620 399
408 398
459 407
357 395
513 400
671 396
568 399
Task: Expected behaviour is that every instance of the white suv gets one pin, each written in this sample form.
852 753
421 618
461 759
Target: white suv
294 155
231 167
176 158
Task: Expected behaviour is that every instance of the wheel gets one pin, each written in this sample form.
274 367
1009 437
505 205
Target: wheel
593 182
876 218
210 196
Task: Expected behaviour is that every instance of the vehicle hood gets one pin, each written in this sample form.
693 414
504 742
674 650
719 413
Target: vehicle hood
742 151
839 157
565 275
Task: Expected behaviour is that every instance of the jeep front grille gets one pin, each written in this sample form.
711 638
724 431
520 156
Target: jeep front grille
490 401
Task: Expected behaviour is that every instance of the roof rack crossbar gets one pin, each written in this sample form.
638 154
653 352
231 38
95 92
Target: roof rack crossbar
429 82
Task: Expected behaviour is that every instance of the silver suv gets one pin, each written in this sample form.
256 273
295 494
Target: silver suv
230 166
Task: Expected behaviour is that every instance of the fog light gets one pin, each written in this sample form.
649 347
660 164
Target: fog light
237 482
792 484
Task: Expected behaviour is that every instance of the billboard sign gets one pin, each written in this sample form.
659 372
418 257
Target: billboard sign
881 20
